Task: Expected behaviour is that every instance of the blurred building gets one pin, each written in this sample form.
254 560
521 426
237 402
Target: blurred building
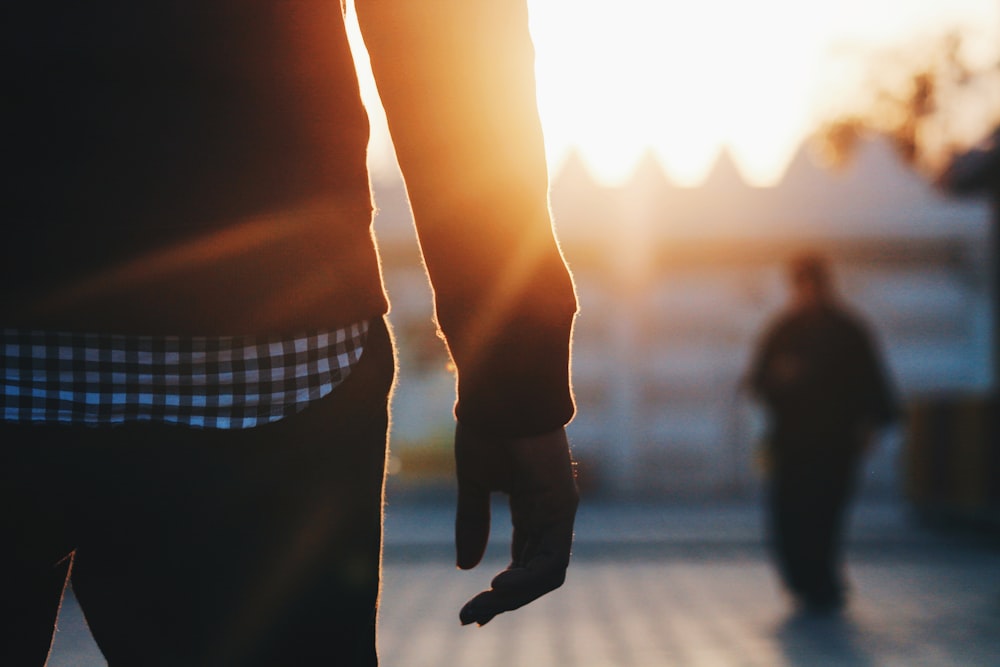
675 285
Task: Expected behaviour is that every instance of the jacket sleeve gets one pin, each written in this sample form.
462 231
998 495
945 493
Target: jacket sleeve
456 78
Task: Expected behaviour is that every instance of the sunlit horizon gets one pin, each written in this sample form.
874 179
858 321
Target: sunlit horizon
686 81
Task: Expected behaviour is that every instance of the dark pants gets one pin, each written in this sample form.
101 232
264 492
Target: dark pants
194 547
807 502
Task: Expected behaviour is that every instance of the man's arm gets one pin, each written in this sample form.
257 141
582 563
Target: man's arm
456 79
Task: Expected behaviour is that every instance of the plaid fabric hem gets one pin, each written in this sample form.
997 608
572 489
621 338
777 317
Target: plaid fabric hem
228 382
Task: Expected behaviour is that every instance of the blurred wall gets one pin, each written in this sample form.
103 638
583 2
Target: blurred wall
675 286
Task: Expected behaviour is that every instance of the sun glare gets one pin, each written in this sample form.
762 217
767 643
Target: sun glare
689 79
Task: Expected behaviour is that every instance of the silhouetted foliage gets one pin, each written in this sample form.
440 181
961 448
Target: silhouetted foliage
930 101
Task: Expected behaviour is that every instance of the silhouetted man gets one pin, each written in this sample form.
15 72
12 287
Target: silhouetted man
818 373
195 363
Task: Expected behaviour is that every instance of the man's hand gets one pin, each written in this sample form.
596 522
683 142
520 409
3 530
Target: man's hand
537 474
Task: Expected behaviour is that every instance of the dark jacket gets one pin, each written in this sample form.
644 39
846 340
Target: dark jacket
818 373
198 167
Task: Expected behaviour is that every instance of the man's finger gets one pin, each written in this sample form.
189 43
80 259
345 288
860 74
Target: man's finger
472 526
544 575
480 609
513 588
488 604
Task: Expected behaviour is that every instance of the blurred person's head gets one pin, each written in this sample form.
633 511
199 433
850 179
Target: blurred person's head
810 280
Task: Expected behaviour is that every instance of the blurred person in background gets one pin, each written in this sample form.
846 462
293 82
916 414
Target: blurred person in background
196 365
818 372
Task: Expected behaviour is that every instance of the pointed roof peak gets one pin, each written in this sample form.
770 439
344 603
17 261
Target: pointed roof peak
573 172
806 168
648 172
724 172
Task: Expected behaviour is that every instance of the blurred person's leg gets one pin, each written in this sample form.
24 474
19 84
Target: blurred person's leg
256 547
788 518
807 502
831 486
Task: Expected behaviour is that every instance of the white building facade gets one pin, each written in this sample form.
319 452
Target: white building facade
675 286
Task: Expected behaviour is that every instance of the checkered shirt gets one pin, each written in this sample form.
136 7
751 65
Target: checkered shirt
230 382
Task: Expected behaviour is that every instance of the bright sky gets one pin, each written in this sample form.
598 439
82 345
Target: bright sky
686 79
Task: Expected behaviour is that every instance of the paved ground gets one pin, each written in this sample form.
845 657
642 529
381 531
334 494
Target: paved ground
663 586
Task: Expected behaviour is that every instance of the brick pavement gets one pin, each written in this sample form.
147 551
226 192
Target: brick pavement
913 610
664 587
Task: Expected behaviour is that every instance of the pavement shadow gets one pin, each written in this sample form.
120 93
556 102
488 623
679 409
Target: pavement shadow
810 639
